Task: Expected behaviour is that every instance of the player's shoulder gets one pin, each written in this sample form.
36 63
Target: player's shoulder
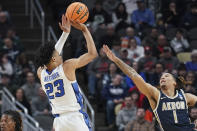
70 63
39 70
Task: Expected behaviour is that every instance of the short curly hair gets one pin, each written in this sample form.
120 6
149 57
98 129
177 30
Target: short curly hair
16 117
44 54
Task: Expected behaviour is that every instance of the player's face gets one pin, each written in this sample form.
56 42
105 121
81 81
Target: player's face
58 58
167 80
7 124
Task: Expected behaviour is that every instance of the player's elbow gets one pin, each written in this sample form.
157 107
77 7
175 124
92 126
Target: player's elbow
93 54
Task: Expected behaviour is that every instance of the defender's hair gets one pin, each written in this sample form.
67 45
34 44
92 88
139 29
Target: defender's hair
44 54
16 118
180 82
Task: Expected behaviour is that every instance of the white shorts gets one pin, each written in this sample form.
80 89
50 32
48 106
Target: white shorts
72 121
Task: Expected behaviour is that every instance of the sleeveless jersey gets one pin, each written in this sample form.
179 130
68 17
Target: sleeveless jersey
64 95
172 112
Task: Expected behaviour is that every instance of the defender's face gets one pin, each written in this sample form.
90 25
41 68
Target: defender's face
7 124
167 80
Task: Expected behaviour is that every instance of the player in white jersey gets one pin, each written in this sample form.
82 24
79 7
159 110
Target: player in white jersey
59 81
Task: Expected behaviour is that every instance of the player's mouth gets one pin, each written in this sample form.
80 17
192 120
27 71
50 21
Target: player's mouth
163 81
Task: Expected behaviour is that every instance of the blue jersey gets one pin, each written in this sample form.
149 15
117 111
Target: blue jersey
172 112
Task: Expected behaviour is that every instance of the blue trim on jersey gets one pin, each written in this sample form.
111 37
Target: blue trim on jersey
49 72
79 98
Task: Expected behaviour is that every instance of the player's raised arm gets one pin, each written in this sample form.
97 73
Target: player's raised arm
191 99
92 52
65 27
144 87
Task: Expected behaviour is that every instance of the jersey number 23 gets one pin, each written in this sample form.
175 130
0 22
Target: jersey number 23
50 88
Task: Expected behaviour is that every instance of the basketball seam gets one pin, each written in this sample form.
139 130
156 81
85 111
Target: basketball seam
84 14
74 10
81 13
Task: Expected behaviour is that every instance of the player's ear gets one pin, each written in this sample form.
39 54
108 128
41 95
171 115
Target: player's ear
53 59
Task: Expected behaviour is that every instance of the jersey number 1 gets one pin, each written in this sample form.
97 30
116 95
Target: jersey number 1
175 116
60 89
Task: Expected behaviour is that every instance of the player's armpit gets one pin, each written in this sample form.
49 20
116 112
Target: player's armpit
153 92
191 99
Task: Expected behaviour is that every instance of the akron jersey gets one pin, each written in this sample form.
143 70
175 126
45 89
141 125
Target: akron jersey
64 95
172 112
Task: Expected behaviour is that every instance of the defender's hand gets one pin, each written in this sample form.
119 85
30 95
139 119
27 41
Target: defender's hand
65 25
109 53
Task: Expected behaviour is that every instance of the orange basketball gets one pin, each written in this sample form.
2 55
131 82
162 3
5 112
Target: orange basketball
78 12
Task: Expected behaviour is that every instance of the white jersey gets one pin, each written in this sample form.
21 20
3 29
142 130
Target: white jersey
64 95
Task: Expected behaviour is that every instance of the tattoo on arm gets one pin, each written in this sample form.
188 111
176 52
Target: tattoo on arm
127 69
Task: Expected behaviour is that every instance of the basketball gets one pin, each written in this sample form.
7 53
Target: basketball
77 12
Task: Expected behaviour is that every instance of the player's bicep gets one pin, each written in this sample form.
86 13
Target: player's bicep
82 60
191 99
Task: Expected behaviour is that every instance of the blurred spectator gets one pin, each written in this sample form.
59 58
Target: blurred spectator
171 16
142 17
124 57
11 33
95 71
158 50
6 82
130 33
31 86
179 43
131 5
120 17
191 79
147 62
181 70
181 5
193 114
21 67
170 62
155 77
6 12
192 65
108 77
4 24
140 124
110 5
5 65
11 50
127 114
190 19
151 38
40 104
108 37
98 15
137 96
20 97
114 94
116 48
129 82
135 51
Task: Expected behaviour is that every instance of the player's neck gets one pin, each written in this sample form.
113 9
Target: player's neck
169 92
51 67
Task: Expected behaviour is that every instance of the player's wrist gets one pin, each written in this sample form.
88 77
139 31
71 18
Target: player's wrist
84 28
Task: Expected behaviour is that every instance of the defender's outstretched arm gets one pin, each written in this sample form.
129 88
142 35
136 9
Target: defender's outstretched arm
144 87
